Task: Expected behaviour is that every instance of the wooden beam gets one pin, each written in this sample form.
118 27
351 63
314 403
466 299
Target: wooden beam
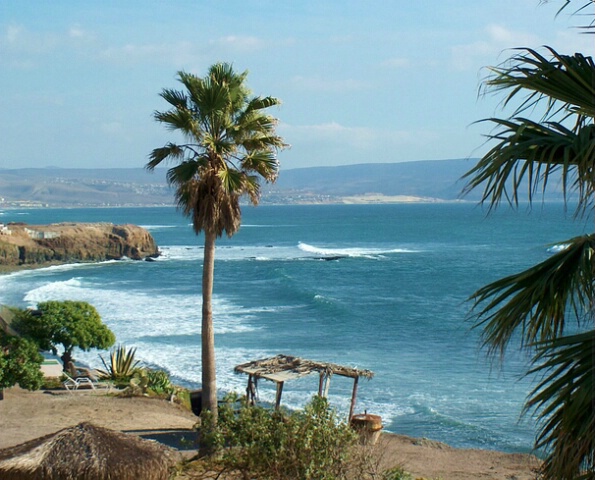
320 384
353 396
278 396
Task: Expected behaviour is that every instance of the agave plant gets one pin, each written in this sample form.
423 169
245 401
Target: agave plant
122 365
160 383
146 381
139 383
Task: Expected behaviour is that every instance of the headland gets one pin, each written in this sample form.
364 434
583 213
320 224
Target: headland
34 246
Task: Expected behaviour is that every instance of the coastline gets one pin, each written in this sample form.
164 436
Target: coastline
33 414
70 280
299 199
6 269
26 415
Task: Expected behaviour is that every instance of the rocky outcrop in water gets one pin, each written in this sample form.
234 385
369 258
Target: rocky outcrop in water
31 245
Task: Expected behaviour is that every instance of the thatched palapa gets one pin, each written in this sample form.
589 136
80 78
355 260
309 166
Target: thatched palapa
281 368
87 452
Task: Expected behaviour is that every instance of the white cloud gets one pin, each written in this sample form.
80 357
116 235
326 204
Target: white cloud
398 62
18 40
328 85
171 54
238 43
76 32
336 144
24 48
486 51
360 138
499 35
13 32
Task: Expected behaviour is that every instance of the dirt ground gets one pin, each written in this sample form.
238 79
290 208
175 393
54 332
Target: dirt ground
27 415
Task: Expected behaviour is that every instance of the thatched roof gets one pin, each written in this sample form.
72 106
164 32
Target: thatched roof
87 452
284 367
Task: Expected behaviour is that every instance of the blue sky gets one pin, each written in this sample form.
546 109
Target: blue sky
360 81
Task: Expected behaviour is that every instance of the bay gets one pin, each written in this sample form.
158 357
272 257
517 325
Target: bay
381 287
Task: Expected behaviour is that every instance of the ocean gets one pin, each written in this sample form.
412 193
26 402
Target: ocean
380 287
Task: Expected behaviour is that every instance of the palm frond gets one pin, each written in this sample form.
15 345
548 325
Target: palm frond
175 98
184 171
171 151
564 402
536 302
182 120
223 74
257 124
565 85
564 82
253 188
261 103
195 87
263 162
532 152
213 102
232 180
589 27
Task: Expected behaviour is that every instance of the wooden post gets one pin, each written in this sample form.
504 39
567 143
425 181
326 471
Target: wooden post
278 396
353 395
327 384
251 390
320 383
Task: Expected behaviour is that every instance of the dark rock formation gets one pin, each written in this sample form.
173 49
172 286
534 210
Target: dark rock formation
31 245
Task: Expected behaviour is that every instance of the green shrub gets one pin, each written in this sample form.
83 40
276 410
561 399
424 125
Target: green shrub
19 363
258 443
397 473
53 383
182 397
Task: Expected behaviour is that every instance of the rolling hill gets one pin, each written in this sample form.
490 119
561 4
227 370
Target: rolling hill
433 180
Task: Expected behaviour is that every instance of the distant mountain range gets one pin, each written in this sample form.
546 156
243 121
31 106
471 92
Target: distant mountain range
432 180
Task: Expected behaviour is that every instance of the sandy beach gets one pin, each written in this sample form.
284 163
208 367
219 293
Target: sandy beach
27 415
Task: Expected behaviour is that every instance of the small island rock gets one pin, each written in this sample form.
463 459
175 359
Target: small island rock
36 245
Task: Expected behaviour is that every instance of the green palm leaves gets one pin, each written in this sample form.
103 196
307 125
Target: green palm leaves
564 141
548 307
564 400
538 301
231 145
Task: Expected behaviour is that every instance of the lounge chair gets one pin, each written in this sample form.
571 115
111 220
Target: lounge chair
74 383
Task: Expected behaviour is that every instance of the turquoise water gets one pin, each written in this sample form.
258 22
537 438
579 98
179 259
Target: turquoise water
392 300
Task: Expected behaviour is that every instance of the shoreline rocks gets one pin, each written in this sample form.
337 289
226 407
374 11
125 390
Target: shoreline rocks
23 245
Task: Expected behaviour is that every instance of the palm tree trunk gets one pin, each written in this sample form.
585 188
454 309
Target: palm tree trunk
209 379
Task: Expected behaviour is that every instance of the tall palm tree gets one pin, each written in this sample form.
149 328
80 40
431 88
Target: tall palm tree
550 306
231 145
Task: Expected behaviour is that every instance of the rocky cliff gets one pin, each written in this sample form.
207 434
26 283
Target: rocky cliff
31 245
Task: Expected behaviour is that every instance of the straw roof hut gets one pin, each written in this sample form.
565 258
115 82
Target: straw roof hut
282 368
87 452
